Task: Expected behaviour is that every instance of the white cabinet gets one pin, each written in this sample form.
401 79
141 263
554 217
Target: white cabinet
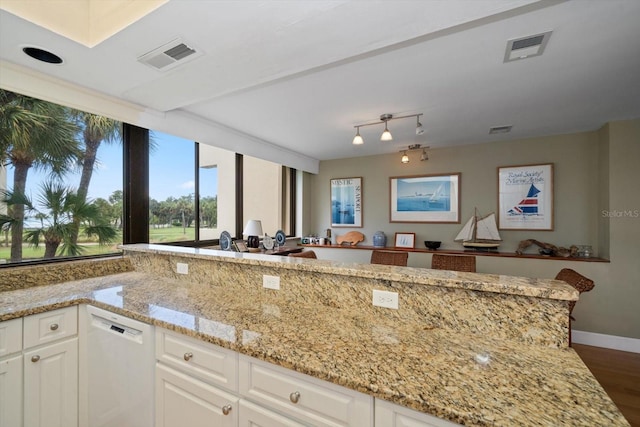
51 385
252 415
39 370
50 359
11 391
11 373
391 415
196 383
182 400
303 397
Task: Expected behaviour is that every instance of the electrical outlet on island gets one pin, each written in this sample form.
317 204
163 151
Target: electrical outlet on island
385 299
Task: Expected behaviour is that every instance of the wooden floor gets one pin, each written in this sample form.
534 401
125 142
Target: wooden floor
619 374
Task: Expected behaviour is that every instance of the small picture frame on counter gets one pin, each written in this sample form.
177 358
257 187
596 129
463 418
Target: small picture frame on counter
240 246
405 240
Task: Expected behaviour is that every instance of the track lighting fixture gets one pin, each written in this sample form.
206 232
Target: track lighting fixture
386 135
423 157
357 140
419 128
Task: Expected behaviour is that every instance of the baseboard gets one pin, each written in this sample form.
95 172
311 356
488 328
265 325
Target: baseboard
607 341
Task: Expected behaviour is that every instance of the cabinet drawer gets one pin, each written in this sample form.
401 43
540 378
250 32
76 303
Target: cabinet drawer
392 415
50 326
306 398
10 336
254 415
207 362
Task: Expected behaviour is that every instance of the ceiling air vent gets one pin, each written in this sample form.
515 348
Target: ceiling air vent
500 129
169 55
526 47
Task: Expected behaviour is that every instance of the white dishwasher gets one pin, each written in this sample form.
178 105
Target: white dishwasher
116 370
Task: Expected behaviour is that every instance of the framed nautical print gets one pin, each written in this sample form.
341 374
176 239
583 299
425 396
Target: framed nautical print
346 202
425 198
525 197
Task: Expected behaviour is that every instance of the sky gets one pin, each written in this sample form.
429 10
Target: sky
171 171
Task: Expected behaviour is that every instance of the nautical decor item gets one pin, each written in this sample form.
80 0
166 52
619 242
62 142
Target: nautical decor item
480 232
379 239
549 249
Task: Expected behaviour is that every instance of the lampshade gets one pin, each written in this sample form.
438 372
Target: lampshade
386 135
357 140
405 158
253 228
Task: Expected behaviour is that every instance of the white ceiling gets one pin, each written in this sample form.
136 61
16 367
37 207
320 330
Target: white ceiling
300 74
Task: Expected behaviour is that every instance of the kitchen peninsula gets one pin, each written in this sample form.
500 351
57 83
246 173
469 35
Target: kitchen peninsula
472 348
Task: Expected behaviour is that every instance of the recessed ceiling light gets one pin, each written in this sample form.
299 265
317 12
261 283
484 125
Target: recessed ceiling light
526 47
42 55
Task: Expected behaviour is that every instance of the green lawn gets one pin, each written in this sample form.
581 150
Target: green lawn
156 235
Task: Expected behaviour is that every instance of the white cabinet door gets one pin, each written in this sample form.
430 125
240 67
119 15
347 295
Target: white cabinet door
391 415
10 336
11 391
252 415
51 385
185 401
313 401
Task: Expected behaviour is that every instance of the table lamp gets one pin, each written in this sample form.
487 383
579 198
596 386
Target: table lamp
252 230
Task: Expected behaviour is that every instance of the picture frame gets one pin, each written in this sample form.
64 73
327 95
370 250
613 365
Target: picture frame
240 246
346 202
425 198
405 240
525 197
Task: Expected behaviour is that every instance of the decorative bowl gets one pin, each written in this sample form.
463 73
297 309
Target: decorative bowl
432 244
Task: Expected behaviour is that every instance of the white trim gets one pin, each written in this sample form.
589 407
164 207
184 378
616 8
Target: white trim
607 341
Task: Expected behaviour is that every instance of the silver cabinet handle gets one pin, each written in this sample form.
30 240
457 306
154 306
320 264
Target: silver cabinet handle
53 326
188 356
226 409
35 358
294 397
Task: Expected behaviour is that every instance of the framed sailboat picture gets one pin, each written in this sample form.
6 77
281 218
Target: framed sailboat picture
525 197
425 198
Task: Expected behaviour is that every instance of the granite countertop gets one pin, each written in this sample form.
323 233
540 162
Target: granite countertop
429 369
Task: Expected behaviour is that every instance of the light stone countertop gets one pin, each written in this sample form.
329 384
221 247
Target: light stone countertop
429 369
508 285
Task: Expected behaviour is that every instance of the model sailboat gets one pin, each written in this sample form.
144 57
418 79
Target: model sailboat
480 232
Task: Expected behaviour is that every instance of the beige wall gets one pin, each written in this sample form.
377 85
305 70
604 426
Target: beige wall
594 172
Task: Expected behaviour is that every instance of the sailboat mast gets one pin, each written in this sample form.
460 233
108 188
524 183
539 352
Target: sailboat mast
475 224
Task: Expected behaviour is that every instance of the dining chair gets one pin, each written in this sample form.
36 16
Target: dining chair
454 262
580 283
389 258
304 254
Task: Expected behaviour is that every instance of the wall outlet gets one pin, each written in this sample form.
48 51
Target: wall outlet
182 268
385 299
270 282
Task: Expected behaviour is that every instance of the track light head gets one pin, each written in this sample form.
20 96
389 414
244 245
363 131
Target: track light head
419 128
405 158
386 135
424 156
357 140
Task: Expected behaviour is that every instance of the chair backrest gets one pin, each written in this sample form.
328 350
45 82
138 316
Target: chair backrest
454 262
390 258
304 254
577 280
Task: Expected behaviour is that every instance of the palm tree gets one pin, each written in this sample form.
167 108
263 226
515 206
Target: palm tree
33 133
63 209
95 130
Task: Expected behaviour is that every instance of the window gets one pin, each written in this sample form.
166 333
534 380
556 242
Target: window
172 185
60 181
62 170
